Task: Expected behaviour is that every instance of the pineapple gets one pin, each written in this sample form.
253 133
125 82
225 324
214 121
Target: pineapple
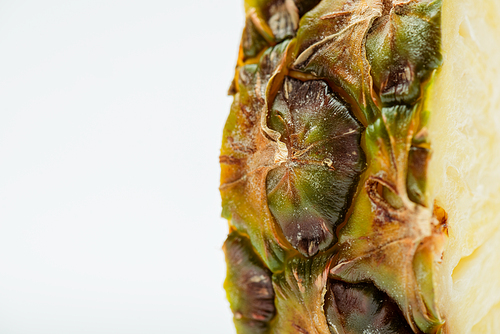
359 168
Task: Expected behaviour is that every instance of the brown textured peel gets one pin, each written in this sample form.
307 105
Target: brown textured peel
324 163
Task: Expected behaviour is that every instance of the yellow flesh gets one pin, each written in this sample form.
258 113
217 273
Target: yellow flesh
464 173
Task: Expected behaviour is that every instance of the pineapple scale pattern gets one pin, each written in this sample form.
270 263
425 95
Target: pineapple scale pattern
323 169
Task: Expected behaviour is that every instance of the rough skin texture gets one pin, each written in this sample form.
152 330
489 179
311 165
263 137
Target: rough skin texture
324 169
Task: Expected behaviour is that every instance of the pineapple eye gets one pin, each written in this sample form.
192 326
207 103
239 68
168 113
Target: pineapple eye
248 285
399 66
309 194
362 308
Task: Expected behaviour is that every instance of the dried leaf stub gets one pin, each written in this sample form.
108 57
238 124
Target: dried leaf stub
249 286
310 191
362 308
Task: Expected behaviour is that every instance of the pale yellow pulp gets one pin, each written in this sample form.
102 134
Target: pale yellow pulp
464 172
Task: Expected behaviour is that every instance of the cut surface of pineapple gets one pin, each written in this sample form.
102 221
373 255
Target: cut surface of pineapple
464 171
361 168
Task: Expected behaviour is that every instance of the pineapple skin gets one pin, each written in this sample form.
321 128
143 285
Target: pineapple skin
327 178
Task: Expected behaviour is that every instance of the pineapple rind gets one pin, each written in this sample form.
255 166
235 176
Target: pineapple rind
381 242
404 237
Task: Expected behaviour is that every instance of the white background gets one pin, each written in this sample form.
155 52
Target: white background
111 114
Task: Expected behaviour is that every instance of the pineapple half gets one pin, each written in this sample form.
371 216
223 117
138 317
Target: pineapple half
360 168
